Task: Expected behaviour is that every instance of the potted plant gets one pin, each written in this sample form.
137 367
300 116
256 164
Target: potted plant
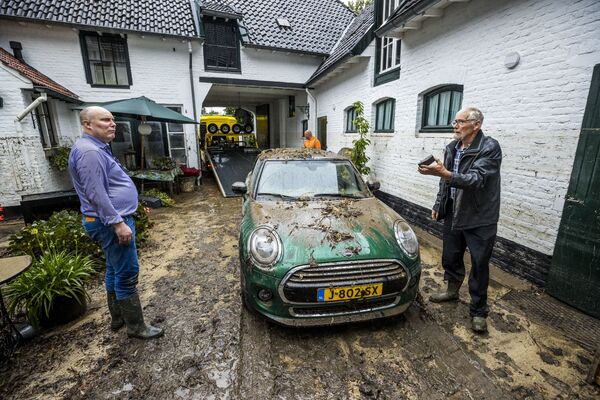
52 291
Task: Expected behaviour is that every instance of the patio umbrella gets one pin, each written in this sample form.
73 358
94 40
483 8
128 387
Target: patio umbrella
145 109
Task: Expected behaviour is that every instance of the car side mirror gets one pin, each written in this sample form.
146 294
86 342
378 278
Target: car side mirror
239 187
373 186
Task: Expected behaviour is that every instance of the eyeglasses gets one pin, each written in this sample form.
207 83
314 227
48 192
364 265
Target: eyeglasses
461 121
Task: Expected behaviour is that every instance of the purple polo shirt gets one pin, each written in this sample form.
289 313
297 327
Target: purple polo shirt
104 189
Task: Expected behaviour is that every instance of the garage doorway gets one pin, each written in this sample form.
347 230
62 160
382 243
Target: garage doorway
322 132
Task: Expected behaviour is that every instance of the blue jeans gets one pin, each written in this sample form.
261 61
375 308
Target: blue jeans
122 265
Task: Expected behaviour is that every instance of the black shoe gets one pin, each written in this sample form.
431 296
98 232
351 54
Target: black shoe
132 314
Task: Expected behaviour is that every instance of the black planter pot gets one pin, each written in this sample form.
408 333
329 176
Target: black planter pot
63 310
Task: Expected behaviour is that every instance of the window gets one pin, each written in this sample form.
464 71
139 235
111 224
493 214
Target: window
440 106
384 115
388 9
350 127
106 60
176 137
221 45
42 120
123 141
389 54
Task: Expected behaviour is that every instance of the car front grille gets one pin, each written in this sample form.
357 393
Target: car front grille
352 307
302 283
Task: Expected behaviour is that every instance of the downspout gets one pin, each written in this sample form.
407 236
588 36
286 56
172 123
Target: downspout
43 97
314 99
190 51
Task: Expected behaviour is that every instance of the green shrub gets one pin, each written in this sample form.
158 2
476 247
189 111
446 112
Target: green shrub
164 198
61 232
60 158
164 163
54 274
359 156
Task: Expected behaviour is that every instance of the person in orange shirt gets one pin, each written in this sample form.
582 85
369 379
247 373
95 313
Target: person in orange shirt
311 142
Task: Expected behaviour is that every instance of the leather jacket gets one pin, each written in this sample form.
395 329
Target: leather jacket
477 183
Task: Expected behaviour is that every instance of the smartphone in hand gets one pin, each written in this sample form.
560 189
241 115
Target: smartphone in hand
426 161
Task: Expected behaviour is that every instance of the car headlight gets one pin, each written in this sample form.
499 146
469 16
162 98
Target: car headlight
264 246
406 238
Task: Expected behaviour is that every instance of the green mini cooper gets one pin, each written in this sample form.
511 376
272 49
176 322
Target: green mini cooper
316 247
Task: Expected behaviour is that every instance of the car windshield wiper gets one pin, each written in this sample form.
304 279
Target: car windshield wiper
281 196
352 196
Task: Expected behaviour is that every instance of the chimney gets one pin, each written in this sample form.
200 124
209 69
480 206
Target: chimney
17 47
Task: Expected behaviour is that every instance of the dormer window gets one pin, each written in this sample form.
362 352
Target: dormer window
221 45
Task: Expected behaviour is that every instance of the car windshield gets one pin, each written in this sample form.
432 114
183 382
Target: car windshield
310 179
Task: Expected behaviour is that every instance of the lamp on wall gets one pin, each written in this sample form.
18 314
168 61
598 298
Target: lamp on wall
305 109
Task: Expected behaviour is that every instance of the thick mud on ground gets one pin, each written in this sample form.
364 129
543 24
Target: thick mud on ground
214 349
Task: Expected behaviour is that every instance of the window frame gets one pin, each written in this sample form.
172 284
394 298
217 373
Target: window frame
113 38
218 21
452 88
349 125
377 106
49 136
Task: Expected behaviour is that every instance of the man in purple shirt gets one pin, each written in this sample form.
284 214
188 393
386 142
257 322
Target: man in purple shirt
108 200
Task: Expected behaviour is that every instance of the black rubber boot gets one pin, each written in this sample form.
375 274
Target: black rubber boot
132 314
116 317
451 293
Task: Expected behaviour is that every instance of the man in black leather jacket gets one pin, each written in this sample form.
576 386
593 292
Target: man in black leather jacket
469 203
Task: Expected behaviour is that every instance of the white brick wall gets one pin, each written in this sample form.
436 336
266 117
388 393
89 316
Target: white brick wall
535 110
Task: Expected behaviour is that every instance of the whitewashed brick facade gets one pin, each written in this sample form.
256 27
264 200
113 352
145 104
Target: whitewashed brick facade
535 110
160 71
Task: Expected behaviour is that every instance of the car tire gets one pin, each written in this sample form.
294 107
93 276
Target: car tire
225 128
212 128
236 128
248 128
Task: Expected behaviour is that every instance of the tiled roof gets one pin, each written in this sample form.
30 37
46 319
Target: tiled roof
170 18
35 76
316 25
348 45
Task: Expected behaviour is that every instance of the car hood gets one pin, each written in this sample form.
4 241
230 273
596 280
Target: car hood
330 230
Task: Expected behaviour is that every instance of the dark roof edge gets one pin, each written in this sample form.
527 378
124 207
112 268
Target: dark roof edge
355 51
399 19
250 82
220 14
56 95
284 49
96 27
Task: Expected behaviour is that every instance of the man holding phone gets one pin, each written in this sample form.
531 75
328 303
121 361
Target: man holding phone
468 201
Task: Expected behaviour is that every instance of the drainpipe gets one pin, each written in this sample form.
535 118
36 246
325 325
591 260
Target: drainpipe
43 97
190 51
314 99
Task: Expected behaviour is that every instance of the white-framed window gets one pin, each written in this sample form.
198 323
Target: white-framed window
176 138
388 8
389 54
43 121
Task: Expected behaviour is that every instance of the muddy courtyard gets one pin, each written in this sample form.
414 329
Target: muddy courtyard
214 349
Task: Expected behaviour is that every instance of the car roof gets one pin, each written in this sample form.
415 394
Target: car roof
299 154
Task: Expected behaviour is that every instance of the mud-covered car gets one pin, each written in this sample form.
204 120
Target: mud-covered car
316 247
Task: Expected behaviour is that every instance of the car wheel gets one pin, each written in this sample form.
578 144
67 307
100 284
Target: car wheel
236 128
225 128
248 128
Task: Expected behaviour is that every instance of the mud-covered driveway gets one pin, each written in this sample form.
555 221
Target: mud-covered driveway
214 349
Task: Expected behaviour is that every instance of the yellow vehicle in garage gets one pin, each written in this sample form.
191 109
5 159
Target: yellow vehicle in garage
228 149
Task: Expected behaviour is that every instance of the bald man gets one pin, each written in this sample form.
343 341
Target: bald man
108 200
311 142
